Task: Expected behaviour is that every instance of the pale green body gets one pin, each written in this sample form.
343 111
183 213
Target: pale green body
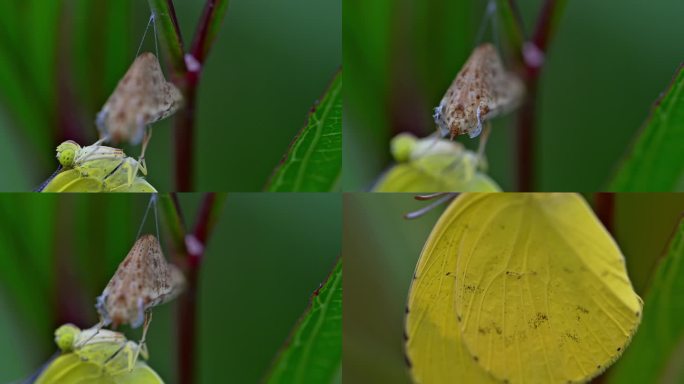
97 168
97 356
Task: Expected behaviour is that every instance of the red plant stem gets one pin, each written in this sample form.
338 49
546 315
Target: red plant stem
542 31
605 209
185 122
195 245
203 38
528 113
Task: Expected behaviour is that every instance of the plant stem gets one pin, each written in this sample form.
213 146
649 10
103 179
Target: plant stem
533 61
212 16
187 70
193 249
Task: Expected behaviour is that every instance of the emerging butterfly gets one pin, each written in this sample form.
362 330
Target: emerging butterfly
518 288
142 97
483 89
144 279
96 356
96 168
433 165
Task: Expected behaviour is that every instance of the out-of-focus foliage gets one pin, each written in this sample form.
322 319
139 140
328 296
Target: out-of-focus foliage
59 252
314 351
60 60
657 350
314 161
606 64
655 163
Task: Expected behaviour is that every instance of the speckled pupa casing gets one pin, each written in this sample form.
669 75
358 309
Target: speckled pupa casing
483 89
142 97
144 279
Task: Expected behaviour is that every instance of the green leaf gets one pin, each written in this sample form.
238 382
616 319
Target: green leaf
314 353
656 353
655 162
314 161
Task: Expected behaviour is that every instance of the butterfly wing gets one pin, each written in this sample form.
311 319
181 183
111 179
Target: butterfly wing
70 180
435 166
139 185
61 180
70 368
434 346
540 289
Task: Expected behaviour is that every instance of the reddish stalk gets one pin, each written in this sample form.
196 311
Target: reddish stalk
192 248
187 68
213 13
533 61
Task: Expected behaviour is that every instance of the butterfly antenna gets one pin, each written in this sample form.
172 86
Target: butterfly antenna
421 212
145 34
98 327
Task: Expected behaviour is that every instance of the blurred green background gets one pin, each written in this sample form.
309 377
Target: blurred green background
267 255
381 250
60 60
607 64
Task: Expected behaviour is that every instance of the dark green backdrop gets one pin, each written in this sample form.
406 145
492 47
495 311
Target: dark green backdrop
267 255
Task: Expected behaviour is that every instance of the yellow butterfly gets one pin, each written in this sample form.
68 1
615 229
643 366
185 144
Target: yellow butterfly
96 168
433 165
518 288
97 356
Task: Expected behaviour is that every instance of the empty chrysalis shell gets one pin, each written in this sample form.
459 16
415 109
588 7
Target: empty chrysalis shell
143 280
142 97
483 89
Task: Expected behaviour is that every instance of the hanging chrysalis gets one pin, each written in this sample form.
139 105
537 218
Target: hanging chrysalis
142 97
483 89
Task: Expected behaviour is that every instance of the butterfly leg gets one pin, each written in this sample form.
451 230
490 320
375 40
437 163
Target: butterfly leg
141 343
141 160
